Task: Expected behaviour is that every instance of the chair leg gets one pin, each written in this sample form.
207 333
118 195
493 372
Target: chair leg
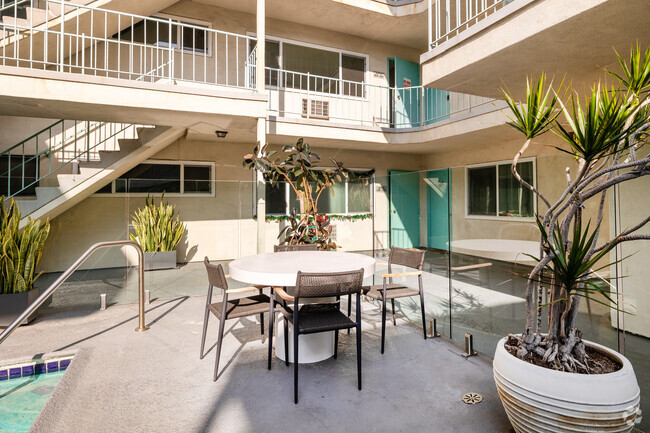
359 355
424 320
392 304
336 342
383 324
271 325
222 323
262 325
286 342
205 330
358 318
349 307
295 365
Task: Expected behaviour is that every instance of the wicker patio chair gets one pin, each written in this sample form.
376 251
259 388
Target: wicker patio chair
388 290
232 308
321 317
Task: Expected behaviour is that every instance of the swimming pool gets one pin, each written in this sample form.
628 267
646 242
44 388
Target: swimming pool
24 389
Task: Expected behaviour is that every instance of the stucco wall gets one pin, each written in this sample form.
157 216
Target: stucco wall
220 226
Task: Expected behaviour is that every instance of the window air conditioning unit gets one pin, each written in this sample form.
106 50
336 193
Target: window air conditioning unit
314 108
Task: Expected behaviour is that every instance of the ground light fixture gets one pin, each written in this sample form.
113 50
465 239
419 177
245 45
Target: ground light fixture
221 134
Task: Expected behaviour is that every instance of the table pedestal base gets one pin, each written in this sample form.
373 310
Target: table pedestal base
312 347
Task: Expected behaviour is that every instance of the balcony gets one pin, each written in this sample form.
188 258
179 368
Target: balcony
476 46
77 60
363 114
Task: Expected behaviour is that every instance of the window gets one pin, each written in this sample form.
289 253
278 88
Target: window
492 190
353 71
20 166
190 37
167 177
352 196
330 71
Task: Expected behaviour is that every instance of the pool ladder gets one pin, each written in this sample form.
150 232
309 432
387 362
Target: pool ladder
141 295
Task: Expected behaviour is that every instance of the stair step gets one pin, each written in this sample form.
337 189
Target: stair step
10 22
39 16
149 132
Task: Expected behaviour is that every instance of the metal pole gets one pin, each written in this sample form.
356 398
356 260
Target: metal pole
261 124
141 325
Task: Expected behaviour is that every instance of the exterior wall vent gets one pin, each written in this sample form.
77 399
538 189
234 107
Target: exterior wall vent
315 108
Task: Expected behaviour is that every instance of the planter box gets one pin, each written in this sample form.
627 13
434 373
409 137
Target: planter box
540 399
12 306
159 260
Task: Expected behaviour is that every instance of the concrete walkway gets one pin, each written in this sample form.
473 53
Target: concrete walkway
123 381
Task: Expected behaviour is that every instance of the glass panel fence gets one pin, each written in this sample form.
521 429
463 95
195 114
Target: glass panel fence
475 269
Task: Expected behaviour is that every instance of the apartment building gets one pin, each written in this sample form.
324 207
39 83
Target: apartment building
105 102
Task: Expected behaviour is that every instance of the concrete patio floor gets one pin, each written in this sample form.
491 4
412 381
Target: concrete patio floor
153 381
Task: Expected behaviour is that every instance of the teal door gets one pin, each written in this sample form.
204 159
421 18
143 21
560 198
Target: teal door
438 185
407 93
436 105
404 209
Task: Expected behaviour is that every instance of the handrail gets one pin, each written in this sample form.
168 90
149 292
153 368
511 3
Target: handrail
141 326
83 151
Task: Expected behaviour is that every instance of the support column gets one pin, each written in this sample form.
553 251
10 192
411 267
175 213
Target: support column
261 190
261 124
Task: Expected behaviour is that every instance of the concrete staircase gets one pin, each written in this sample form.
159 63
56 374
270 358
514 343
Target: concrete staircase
65 190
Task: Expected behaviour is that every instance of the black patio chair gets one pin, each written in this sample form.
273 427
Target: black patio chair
232 308
411 258
323 316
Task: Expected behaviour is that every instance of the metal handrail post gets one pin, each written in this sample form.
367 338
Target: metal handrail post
43 297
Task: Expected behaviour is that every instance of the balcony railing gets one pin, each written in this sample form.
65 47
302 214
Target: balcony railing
448 18
106 43
300 95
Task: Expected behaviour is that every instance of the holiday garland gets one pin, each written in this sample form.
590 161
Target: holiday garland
333 217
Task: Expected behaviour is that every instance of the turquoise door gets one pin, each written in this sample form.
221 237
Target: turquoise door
438 185
436 105
407 93
404 209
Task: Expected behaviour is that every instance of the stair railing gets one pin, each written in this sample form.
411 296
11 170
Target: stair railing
59 281
64 143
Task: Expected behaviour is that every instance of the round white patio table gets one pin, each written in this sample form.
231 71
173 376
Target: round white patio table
281 269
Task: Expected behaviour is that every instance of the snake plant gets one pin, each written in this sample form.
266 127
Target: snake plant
155 227
21 249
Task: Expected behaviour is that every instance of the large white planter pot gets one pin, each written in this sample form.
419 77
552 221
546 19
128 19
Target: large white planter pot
539 399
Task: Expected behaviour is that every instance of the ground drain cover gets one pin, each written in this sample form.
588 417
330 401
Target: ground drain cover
472 398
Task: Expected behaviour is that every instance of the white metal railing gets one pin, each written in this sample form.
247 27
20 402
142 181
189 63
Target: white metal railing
114 44
447 18
47 151
300 95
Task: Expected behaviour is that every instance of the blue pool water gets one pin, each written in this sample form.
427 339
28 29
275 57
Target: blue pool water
22 399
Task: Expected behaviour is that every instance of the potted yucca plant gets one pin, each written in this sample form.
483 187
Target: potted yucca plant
158 232
20 253
549 377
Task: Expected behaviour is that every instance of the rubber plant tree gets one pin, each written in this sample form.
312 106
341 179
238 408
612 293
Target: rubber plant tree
605 133
305 173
